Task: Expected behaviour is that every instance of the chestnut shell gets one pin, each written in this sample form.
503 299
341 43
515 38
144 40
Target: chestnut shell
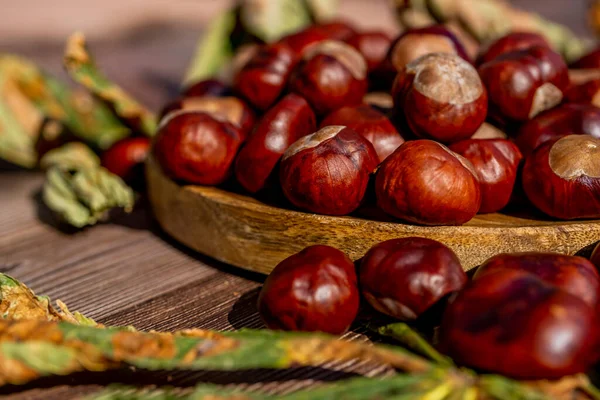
513 323
124 157
496 162
328 172
426 183
405 277
370 123
313 290
287 121
572 274
197 148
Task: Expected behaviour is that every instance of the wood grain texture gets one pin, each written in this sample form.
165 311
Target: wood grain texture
244 232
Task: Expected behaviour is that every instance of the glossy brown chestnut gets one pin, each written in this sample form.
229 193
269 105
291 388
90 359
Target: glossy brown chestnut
513 41
328 172
513 323
303 39
125 157
370 123
208 87
587 92
588 61
562 177
572 274
426 183
441 97
415 43
405 277
195 147
226 109
521 84
595 258
287 121
336 30
567 119
262 80
331 75
496 162
373 46
314 290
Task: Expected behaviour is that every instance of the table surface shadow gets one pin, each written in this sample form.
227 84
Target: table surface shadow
128 271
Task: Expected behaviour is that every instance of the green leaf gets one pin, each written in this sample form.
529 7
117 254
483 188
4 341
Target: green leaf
82 68
269 20
214 49
70 156
83 196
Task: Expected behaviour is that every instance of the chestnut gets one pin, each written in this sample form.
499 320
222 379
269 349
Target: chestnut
523 83
328 172
511 42
195 147
426 183
405 277
380 101
336 29
590 60
595 258
415 43
441 97
562 177
496 162
489 131
572 274
567 119
313 290
300 41
263 78
373 45
586 92
370 123
513 323
125 157
287 121
331 75
208 87
227 109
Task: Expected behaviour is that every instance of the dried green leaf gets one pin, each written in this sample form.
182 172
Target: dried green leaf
83 196
82 68
269 20
214 49
70 156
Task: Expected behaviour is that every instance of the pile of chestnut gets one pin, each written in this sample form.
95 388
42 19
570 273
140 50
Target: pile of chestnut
328 114
522 315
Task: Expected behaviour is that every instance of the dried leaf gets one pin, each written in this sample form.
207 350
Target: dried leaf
83 196
70 156
213 50
322 10
271 19
82 68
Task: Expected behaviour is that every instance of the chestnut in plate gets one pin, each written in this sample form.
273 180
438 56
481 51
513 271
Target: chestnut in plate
208 87
588 61
572 274
513 323
567 119
313 290
331 75
263 78
226 109
521 84
511 42
426 183
562 177
125 157
195 147
287 121
370 123
405 277
373 46
496 162
328 172
441 97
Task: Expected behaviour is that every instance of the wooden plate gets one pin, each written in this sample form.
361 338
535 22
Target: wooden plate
244 232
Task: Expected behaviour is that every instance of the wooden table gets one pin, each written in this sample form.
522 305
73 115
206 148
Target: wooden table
128 271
